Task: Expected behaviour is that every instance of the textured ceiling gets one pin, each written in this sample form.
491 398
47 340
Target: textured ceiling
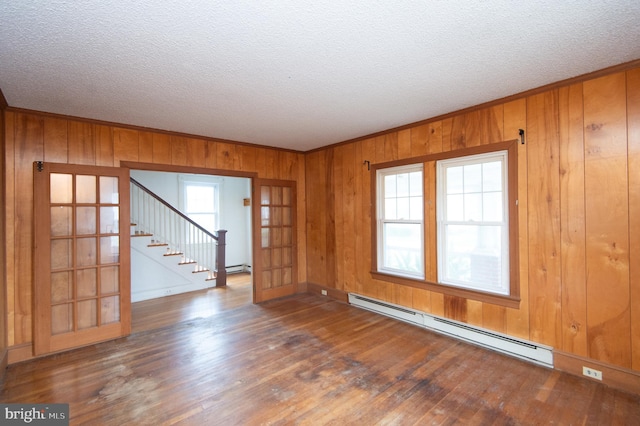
295 74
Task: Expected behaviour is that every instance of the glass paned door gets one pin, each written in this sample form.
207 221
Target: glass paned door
275 272
82 291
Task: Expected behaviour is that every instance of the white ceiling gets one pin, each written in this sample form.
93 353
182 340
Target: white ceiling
296 74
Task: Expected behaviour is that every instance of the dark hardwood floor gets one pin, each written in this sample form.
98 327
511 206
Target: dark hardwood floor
303 360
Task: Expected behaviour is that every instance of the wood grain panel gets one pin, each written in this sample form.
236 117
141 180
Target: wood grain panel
82 148
336 192
633 120
515 118
365 151
316 229
161 148
103 139
125 145
455 308
349 219
145 147
248 158
330 218
211 155
544 217
56 147
195 152
404 143
10 218
226 153
178 150
572 221
3 248
390 147
607 220
29 145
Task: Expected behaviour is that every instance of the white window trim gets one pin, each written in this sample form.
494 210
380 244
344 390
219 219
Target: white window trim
441 166
380 174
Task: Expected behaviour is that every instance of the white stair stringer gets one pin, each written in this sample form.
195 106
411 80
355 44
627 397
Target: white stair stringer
155 275
519 348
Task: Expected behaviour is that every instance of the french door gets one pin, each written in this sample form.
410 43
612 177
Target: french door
82 256
274 246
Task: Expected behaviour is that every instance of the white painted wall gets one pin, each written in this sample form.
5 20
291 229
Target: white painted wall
234 217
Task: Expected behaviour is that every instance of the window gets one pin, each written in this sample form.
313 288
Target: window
473 225
448 222
200 201
400 221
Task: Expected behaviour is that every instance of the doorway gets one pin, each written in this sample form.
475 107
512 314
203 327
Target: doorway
163 289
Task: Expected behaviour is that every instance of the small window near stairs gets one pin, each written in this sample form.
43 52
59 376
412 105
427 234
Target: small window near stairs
200 202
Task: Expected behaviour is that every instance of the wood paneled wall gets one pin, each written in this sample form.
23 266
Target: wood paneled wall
31 136
3 269
579 216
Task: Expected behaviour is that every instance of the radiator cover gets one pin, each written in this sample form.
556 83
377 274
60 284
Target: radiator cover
519 348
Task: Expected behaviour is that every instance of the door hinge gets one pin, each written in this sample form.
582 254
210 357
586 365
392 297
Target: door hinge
39 166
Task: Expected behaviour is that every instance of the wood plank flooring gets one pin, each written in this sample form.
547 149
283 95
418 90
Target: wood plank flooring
304 360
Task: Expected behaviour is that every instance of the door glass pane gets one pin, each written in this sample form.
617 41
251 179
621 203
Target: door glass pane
86 281
86 252
109 279
61 221
86 220
265 195
276 219
87 317
287 240
276 257
266 258
61 287
264 216
61 188
61 254
276 195
61 318
265 237
286 216
109 220
85 189
109 309
109 250
109 190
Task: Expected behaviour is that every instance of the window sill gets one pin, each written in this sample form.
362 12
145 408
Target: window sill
496 299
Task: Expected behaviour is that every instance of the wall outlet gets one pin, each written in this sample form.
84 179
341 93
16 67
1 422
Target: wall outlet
324 292
593 373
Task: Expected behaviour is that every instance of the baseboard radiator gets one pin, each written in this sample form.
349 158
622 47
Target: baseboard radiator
528 351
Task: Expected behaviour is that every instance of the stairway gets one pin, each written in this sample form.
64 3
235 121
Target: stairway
157 270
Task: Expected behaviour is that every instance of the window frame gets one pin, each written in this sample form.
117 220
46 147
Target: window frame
214 183
383 220
443 221
430 282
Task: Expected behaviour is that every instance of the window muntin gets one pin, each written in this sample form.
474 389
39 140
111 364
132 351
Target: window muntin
400 221
473 222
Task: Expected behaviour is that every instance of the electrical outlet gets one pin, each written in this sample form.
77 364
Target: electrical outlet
324 292
593 373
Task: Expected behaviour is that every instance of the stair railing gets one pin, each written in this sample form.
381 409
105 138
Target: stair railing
169 226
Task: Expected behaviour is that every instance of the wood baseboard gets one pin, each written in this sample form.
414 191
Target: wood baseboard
19 353
612 375
332 293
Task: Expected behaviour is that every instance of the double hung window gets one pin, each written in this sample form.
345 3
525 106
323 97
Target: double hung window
400 212
448 222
